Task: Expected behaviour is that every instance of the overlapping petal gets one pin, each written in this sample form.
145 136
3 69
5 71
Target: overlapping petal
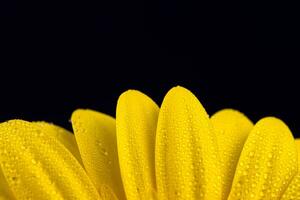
5 192
293 190
186 154
231 128
37 166
62 135
136 126
267 163
96 137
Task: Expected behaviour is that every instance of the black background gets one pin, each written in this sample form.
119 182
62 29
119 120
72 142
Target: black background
59 56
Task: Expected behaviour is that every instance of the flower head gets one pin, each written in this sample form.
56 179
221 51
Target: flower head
172 152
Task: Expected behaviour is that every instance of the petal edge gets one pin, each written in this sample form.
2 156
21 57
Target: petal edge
37 166
267 163
136 128
95 134
186 150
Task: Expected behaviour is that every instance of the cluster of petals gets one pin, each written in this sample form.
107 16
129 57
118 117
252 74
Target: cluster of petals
147 152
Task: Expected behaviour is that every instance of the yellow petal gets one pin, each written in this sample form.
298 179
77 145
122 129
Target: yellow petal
267 163
95 134
5 192
37 166
62 135
293 190
186 154
136 125
232 129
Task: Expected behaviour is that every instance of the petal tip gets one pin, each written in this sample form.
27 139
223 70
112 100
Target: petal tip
130 94
233 113
230 111
272 122
178 89
77 112
178 92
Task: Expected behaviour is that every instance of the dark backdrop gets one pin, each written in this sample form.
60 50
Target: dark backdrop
58 56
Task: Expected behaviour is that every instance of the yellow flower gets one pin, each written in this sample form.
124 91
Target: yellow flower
172 152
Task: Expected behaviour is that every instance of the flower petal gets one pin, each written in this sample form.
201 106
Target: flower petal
232 129
62 135
95 134
136 126
5 192
268 162
186 154
293 190
37 166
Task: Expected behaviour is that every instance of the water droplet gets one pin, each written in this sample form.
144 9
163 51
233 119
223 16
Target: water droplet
270 155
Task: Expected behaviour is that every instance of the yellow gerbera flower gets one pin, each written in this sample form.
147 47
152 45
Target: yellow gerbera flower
172 152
